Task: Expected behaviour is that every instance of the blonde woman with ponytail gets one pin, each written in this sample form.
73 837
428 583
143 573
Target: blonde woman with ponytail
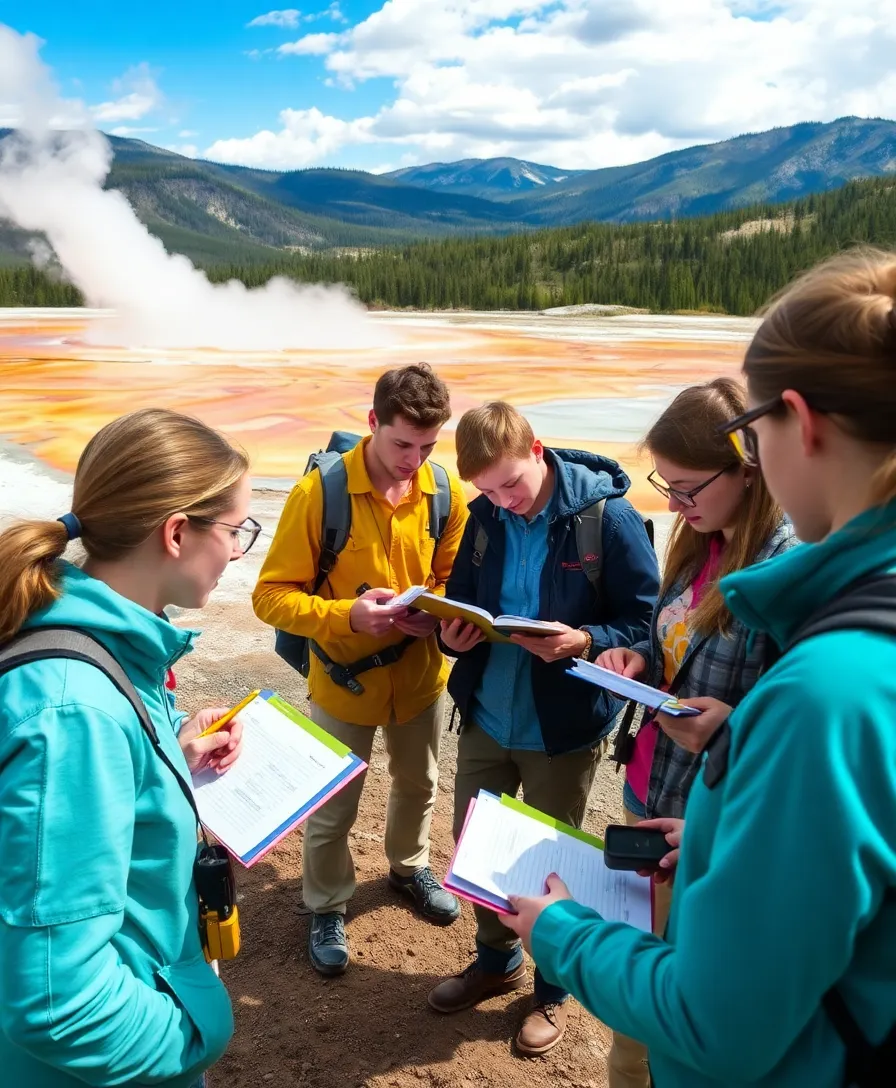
102 976
779 964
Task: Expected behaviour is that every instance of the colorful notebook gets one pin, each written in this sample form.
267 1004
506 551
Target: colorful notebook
287 769
631 689
508 848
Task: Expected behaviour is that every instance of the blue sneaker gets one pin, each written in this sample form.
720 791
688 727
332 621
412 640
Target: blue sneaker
327 947
429 897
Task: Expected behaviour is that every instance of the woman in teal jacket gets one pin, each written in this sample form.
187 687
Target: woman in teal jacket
785 884
102 976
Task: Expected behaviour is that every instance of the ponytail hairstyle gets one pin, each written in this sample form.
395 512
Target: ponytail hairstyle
132 476
831 336
687 434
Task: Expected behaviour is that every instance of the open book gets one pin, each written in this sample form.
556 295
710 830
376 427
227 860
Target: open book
508 848
496 628
287 769
627 688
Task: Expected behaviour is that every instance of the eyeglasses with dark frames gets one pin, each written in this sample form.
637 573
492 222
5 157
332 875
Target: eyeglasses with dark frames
684 497
246 534
741 434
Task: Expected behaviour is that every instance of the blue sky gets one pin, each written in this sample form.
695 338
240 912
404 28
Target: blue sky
572 83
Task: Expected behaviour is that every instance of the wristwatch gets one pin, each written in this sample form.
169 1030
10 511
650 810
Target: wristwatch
585 655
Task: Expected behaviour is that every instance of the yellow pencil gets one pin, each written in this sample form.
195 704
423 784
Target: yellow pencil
221 722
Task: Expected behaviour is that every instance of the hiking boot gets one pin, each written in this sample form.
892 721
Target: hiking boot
429 897
542 1029
473 985
327 948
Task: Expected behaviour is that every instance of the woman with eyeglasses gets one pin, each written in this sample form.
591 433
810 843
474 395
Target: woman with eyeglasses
103 979
725 521
779 967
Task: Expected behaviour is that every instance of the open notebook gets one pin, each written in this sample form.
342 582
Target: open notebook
288 768
496 628
508 848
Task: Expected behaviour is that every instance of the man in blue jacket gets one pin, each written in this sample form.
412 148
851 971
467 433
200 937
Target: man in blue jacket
524 720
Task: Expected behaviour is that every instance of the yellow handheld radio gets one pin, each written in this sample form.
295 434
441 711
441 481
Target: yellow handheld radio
219 918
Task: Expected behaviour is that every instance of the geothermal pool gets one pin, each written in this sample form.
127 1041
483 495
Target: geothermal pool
583 380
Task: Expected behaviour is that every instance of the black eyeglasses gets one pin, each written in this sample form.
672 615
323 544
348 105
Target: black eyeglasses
245 534
685 497
742 436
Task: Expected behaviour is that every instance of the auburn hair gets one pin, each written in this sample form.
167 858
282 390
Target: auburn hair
488 434
132 476
687 434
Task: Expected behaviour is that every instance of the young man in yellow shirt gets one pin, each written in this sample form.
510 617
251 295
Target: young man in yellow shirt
390 547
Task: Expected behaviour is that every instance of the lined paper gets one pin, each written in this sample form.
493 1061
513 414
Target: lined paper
504 852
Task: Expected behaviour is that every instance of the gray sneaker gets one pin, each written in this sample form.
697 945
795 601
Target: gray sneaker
429 897
327 948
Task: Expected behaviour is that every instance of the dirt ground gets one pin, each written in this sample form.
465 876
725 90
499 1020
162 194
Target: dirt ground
372 1027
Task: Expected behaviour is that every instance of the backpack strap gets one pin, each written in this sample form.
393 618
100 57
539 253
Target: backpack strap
867 605
440 503
590 542
336 521
480 543
72 644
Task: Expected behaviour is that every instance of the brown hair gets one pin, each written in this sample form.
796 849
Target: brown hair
132 476
414 392
488 434
687 434
831 336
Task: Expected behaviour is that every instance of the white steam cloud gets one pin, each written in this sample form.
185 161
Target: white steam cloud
51 180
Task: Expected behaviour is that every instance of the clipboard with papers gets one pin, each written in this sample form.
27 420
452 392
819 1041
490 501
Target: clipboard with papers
287 769
509 848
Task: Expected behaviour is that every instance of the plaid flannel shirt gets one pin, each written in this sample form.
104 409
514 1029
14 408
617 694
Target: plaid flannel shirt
724 667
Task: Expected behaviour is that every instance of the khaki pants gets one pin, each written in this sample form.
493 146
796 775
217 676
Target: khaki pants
558 785
328 871
627 1060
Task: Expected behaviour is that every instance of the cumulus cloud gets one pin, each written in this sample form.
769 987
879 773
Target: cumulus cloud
137 95
313 45
287 17
585 84
131 130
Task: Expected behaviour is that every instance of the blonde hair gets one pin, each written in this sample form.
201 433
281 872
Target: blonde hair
488 434
831 336
687 433
132 476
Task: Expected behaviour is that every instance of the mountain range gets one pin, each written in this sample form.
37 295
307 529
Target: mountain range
215 212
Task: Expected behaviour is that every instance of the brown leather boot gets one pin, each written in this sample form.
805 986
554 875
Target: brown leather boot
473 985
542 1029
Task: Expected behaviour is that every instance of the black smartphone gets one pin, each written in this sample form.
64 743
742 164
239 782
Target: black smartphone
633 847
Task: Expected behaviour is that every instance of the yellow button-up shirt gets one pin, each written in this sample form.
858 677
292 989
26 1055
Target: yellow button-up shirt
388 547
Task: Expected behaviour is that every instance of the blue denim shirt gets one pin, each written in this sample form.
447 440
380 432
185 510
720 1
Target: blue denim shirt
503 704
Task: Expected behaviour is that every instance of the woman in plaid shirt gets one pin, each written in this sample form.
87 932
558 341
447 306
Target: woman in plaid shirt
726 520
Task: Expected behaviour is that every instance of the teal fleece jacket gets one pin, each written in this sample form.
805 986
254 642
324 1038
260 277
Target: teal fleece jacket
102 976
784 865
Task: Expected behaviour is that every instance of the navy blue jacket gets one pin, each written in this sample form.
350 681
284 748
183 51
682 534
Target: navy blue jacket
573 714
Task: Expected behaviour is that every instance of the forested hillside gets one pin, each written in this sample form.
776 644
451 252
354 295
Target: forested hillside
727 263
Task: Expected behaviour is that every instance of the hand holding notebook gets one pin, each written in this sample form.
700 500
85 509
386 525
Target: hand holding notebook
495 628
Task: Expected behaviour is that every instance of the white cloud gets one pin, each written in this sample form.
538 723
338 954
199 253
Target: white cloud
190 150
333 13
288 17
312 45
138 95
187 133
130 130
306 137
578 83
